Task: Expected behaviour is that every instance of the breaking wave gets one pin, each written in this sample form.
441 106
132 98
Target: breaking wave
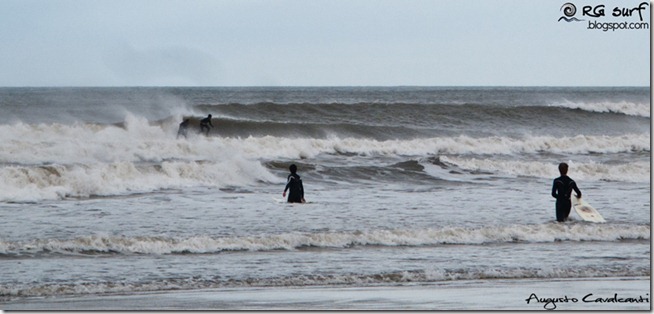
54 161
623 107
34 183
540 233
140 142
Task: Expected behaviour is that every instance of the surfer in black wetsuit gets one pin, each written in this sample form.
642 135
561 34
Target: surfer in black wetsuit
183 128
294 186
561 190
206 124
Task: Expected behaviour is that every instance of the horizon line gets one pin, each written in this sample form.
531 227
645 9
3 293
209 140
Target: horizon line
316 86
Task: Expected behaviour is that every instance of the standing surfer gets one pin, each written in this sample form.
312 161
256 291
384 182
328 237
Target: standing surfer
561 190
206 124
294 186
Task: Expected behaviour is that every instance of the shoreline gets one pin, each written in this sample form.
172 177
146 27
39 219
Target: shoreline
562 294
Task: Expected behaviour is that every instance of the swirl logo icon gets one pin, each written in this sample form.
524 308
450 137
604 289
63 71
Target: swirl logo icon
569 11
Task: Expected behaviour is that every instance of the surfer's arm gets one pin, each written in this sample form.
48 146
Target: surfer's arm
288 185
574 187
554 190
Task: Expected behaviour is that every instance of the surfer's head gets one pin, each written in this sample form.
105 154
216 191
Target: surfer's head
293 168
563 168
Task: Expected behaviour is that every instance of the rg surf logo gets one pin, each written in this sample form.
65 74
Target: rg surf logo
619 18
569 10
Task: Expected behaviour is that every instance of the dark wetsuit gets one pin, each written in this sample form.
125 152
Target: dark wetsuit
183 128
296 190
204 124
561 190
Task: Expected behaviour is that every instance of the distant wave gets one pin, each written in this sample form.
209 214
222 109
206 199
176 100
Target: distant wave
543 233
387 110
623 107
386 121
108 105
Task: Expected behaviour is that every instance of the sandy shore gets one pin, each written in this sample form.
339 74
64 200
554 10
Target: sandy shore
586 294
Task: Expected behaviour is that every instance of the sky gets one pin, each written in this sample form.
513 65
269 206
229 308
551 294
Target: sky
319 43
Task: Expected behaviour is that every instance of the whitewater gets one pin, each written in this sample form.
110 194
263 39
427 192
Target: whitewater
407 188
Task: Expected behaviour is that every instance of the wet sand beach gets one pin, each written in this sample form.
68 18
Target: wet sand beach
468 295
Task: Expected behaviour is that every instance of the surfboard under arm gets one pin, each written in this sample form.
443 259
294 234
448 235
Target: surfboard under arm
585 210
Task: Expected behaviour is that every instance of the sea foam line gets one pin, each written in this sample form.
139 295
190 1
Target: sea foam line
587 171
14 290
96 244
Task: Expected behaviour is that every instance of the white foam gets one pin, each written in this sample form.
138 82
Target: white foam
624 107
141 142
30 184
587 171
49 161
435 274
271 147
542 233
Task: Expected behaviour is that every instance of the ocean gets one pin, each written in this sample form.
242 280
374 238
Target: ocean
411 191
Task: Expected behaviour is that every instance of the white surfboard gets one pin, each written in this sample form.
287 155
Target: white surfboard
585 211
284 201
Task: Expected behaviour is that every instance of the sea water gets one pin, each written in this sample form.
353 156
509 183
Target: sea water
405 186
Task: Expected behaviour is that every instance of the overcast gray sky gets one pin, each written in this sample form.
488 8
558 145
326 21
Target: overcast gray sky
316 43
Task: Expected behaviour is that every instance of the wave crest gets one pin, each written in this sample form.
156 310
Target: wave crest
623 107
541 233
